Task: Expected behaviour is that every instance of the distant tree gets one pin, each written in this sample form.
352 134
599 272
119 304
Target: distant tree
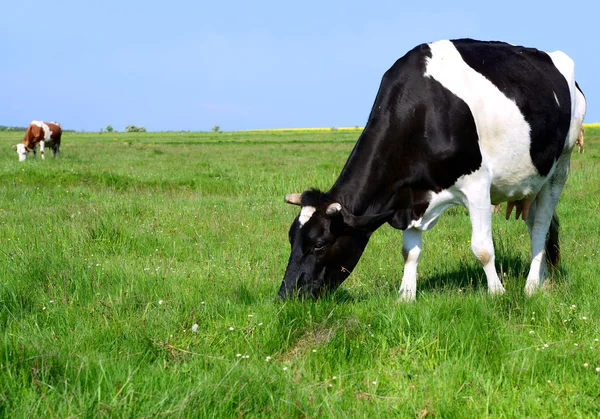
7 128
109 128
133 128
216 128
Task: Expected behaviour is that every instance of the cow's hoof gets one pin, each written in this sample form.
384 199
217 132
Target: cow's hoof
531 288
406 296
496 289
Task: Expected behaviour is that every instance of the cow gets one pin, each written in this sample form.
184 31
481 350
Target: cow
580 148
43 134
455 122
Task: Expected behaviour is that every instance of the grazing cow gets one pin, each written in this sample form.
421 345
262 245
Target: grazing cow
459 122
42 133
580 141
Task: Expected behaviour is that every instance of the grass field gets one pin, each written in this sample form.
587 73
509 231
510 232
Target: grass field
138 275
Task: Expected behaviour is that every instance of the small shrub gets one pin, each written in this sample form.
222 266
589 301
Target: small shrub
133 128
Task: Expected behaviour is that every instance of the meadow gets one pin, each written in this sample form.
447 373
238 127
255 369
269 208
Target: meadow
139 272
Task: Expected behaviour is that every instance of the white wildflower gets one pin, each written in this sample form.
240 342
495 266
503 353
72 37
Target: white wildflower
195 327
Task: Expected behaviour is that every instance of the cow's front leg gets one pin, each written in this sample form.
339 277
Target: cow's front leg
411 250
42 149
482 246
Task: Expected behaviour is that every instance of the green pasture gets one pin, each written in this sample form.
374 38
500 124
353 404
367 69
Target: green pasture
138 276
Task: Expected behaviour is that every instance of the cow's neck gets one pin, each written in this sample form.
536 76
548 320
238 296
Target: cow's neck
370 180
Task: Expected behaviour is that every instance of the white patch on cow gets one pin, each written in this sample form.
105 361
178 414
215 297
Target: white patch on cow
305 214
502 129
47 132
37 123
556 99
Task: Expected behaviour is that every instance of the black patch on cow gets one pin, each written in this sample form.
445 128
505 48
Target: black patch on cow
420 137
315 198
528 77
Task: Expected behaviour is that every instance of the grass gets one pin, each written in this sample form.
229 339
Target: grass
138 275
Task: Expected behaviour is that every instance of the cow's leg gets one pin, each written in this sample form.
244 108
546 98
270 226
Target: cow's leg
480 213
42 149
56 150
539 224
411 249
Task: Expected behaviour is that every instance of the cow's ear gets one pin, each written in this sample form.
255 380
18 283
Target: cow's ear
367 223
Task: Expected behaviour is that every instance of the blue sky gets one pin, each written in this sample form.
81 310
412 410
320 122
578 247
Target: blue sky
190 65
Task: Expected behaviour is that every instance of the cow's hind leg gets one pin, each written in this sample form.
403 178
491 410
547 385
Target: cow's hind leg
480 213
411 250
42 149
543 228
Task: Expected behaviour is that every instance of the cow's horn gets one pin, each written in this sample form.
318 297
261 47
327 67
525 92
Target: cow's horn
333 209
15 146
293 198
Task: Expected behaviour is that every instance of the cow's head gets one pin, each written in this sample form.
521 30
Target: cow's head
21 151
327 241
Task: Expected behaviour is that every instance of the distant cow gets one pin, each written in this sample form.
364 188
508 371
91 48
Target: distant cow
460 122
43 134
580 140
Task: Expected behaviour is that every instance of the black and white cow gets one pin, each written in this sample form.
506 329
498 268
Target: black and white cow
459 122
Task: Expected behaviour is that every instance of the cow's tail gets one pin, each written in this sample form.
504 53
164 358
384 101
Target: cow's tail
552 243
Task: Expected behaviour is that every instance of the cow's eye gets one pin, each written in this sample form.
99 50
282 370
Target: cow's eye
320 246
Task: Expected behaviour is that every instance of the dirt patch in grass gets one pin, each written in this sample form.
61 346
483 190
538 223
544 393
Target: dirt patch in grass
308 341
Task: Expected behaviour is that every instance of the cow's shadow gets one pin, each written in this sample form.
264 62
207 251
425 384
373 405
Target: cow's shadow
468 276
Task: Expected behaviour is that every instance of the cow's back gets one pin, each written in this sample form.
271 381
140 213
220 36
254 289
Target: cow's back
56 133
522 104
529 78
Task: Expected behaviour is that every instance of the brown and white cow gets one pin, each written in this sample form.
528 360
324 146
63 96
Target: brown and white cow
580 140
40 133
